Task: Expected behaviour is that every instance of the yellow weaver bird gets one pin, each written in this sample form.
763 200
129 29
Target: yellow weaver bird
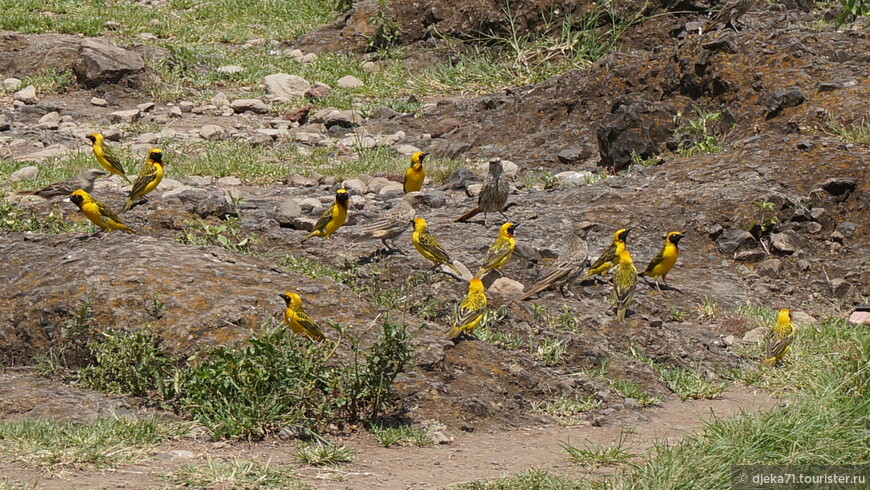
624 282
500 251
428 245
779 339
332 218
299 321
149 177
97 212
568 266
470 310
415 174
607 259
105 157
662 263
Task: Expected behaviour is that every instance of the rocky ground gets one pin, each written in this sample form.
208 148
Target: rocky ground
779 86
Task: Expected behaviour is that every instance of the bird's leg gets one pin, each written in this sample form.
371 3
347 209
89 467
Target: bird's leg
504 216
485 222
657 287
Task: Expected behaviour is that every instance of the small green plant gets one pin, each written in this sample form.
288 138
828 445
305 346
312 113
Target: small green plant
386 33
690 385
857 132
630 389
400 435
649 161
537 479
550 350
565 410
126 363
347 275
320 454
48 80
234 473
677 314
565 320
762 227
14 217
228 234
71 347
852 9
695 136
594 455
707 309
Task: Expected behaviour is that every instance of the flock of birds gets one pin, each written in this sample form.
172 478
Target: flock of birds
562 273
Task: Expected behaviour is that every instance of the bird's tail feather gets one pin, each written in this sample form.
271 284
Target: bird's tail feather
454 332
620 314
467 216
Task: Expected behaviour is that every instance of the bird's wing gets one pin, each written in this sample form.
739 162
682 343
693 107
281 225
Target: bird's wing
110 156
399 215
469 309
655 261
146 176
106 212
431 245
308 324
496 252
776 345
325 217
606 256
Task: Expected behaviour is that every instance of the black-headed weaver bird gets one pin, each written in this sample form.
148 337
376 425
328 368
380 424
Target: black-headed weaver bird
84 181
569 265
624 282
415 175
500 251
332 218
105 157
428 245
662 263
390 223
607 259
493 195
149 177
97 212
469 311
778 340
299 321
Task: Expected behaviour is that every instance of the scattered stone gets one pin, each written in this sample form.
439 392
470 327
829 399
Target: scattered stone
846 229
111 25
186 106
729 340
287 211
229 181
230 69
184 192
146 107
319 90
4 123
730 241
802 318
377 183
24 173
813 227
11 83
26 95
250 105
99 102
506 285
576 178
407 150
147 138
369 67
345 119
128 117
751 255
310 203
634 126
574 154
199 180
355 185
286 88
786 243
211 132
297 180
147 36
392 188
632 404
776 101
443 126
755 334
308 58
299 114
49 121
175 112
101 63
357 202
770 268
349 81
220 99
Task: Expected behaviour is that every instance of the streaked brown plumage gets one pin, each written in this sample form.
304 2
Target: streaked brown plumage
730 14
391 222
568 266
494 194
83 181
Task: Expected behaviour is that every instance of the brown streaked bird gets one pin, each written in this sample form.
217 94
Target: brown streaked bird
608 257
391 222
494 194
568 266
84 181
730 14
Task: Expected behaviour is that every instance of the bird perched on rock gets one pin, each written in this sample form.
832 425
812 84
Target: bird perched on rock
415 175
607 259
149 177
84 181
730 14
777 342
105 157
428 246
662 263
299 321
332 218
624 282
500 251
569 265
494 194
97 212
391 222
470 310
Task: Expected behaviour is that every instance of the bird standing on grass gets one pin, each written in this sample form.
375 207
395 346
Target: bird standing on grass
97 212
332 218
83 181
391 223
607 259
149 177
428 245
493 195
662 263
299 321
105 157
779 339
470 310
500 251
624 282
569 265
415 175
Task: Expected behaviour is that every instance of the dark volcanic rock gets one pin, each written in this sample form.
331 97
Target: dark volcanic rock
101 64
775 102
635 125
732 240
